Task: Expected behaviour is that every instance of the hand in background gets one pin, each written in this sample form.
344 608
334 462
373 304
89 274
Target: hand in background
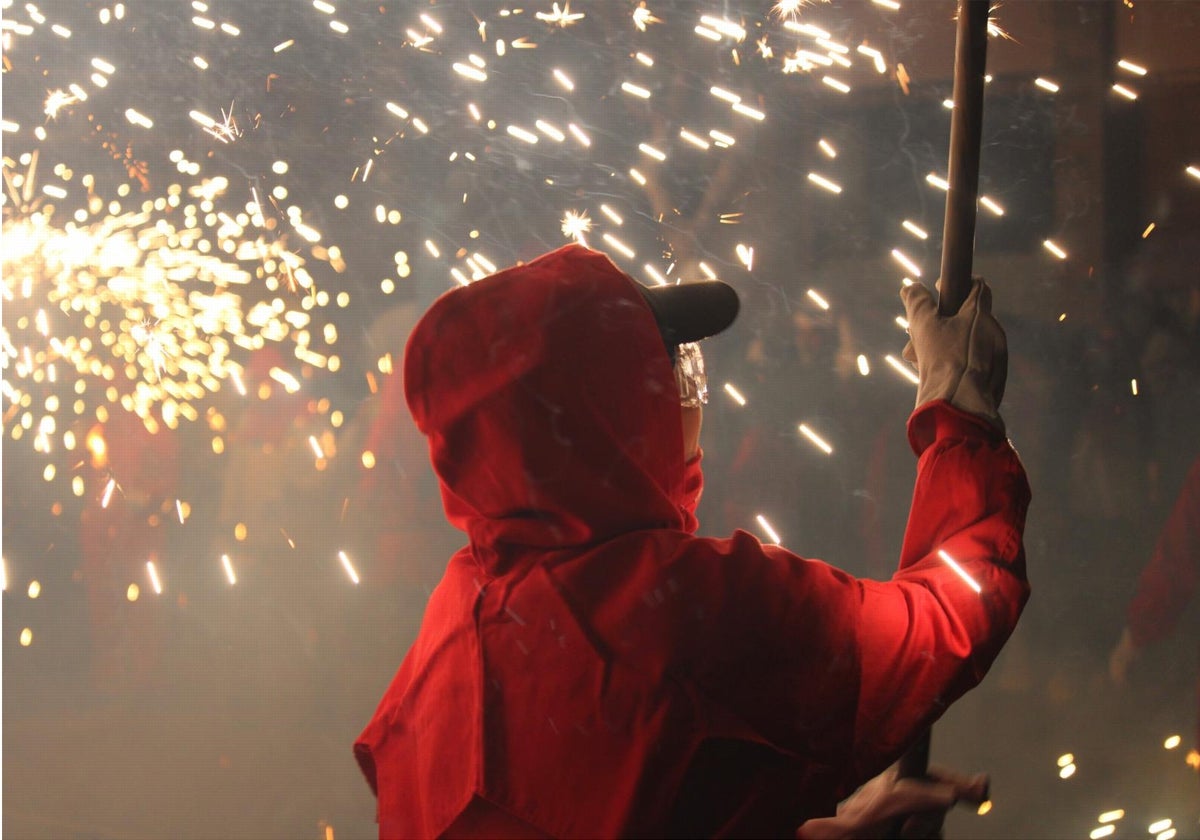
920 805
1121 658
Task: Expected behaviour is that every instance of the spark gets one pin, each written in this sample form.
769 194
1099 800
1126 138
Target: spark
1169 834
1111 816
1136 69
876 56
1054 249
348 566
705 32
289 382
1194 171
887 4
721 139
56 100
643 17
1046 84
1133 388
721 93
138 118
550 130
655 275
816 439
563 79
824 183
1149 229
469 72
579 134
915 230
612 214
689 137
787 8
315 445
635 90
228 569
747 111
827 148
575 225
647 149
746 255
562 17
836 84
816 298
522 134
902 368
1124 91
154 581
1158 825
806 29
179 511
637 176
620 246
984 807
735 394
726 27
324 7
906 261
1102 831
959 570
432 248
937 181
991 205
864 366
766 526
280 47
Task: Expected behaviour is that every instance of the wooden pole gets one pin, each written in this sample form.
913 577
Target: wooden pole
966 135
958 230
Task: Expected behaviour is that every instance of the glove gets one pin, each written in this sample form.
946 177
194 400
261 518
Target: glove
962 358
921 805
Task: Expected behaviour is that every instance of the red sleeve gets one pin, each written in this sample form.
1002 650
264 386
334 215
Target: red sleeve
847 672
1169 580
926 636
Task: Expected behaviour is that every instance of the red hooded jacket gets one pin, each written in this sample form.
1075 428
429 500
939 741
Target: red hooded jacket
588 666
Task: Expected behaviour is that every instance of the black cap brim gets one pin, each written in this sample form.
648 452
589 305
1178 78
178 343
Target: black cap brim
691 311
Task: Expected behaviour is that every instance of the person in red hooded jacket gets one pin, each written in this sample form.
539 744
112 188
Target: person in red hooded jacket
1166 585
588 666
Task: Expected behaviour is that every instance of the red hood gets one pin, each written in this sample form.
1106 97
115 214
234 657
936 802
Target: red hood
551 409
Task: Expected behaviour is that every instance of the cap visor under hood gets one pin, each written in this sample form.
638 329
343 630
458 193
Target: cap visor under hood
689 312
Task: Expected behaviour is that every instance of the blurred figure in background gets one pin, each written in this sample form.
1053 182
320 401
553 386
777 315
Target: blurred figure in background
122 528
1167 585
269 518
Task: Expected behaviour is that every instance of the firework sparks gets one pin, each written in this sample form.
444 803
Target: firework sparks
815 439
772 535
